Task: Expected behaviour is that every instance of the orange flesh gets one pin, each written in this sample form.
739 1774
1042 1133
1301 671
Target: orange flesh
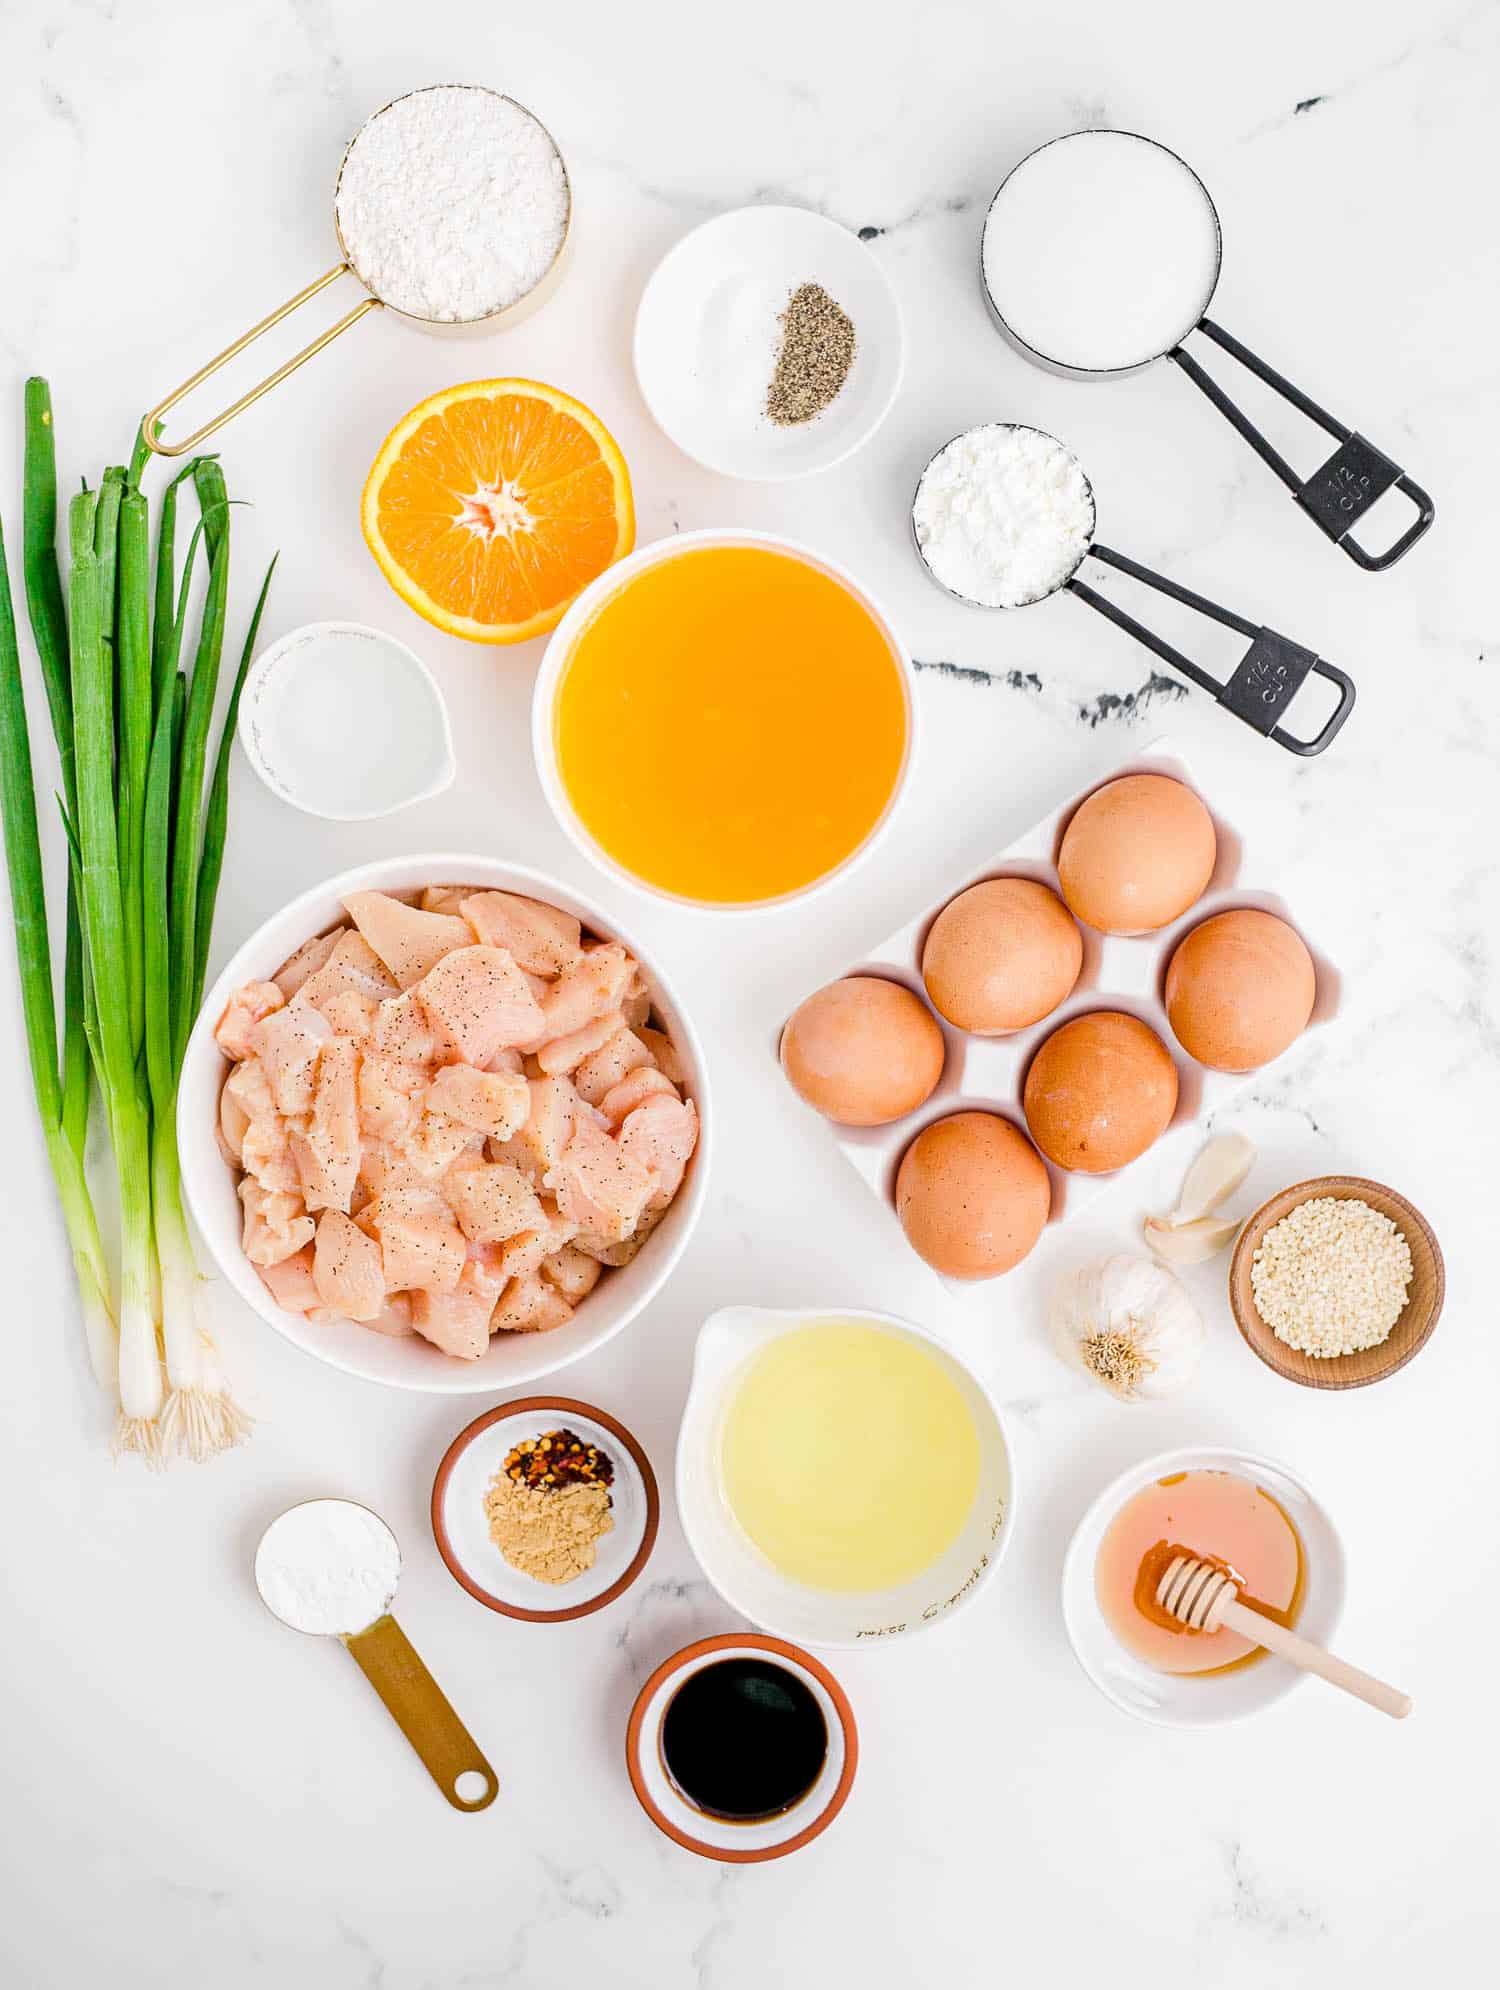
731 724
1223 1519
500 508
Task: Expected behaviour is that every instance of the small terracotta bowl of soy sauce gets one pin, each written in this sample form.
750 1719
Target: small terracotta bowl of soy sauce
742 1748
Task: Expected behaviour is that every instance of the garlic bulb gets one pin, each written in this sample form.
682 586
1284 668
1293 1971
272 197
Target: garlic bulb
1127 1322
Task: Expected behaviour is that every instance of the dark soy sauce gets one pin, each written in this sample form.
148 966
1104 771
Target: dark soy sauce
743 1739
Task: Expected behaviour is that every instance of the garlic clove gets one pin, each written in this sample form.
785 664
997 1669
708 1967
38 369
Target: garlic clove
1213 1178
1190 1243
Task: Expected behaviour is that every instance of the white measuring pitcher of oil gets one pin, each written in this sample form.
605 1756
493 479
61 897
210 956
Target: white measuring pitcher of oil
841 1475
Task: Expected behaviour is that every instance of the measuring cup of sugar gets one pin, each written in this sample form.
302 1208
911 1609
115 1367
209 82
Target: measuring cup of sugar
452 207
1004 516
1101 253
330 1567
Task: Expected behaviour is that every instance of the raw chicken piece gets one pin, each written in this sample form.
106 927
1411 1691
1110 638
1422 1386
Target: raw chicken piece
447 898
525 1252
636 1008
632 1090
477 999
457 1322
327 1154
287 1043
436 1142
573 1272
537 937
403 1031
349 1013
290 1283
492 1202
420 1244
621 1253
530 1307
409 941
665 1052
233 1122
507 1058
518 1154
248 1006
308 958
560 1054
589 988
484 1275
276 1224
495 1102
613 1061
661 1135
598 1185
549 1124
352 964
250 1089
389 1094
265 1152
386 1171
347 1269
395 1319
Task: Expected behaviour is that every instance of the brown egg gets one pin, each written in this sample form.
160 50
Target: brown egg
1240 989
1136 854
1001 955
1099 1091
863 1051
972 1195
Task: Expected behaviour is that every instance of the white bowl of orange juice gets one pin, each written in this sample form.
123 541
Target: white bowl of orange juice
725 719
1093 1585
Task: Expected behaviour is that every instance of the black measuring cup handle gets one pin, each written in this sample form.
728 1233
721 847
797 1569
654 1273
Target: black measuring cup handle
1265 680
1338 494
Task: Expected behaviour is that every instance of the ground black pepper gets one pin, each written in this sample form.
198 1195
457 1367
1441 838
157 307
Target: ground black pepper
817 350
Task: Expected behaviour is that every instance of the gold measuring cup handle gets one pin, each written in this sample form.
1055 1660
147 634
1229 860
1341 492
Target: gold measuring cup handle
418 1705
153 420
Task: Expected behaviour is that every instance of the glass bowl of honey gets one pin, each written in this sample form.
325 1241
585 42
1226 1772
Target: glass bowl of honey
724 719
1249 1515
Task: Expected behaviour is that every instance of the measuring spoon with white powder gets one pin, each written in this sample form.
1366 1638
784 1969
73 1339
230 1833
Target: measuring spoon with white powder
330 1567
1004 516
452 207
1101 253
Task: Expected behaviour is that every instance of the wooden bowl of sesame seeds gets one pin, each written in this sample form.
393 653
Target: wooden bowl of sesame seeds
1413 1325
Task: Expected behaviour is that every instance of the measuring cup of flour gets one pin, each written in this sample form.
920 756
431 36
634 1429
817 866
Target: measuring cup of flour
330 1567
452 207
1101 253
1004 516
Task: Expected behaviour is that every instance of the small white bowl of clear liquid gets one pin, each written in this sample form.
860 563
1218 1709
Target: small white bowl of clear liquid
345 722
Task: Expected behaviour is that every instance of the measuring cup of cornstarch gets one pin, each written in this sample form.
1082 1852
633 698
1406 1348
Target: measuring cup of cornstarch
330 1567
1004 516
1101 253
452 207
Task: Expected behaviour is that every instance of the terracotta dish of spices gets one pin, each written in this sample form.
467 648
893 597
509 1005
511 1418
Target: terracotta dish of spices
768 343
545 1509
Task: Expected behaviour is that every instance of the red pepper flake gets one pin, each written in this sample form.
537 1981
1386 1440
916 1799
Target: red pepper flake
558 1458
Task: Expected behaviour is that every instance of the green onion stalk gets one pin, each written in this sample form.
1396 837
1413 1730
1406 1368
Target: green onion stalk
132 722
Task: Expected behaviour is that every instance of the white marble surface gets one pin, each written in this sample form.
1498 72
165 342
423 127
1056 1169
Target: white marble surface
194 1796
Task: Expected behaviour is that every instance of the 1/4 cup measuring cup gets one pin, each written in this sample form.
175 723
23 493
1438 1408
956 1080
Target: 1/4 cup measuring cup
347 266
1101 253
330 1567
1264 682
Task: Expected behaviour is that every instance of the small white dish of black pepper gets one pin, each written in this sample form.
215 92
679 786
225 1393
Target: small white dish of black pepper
768 343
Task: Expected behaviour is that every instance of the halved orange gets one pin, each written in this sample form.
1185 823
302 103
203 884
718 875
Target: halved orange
491 505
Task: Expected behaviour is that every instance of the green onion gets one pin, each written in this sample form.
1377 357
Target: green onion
55 1107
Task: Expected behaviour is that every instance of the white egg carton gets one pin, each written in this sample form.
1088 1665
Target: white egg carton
988 1073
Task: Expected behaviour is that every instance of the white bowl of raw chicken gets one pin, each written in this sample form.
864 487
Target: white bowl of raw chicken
408 1361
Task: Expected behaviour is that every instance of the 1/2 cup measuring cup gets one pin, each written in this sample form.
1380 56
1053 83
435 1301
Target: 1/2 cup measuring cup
1101 253
347 265
330 1567
1264 682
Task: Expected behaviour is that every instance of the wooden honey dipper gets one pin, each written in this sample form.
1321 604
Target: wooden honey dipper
1203 1598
